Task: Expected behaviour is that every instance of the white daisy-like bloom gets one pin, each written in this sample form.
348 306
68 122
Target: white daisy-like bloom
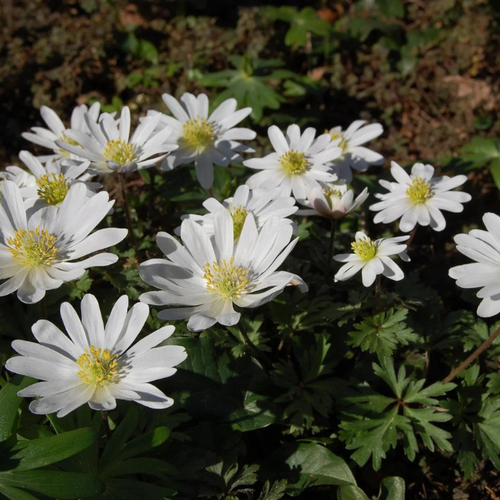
484 248
298 164
203 139
261 203
419 198
333 201
372 258
207 277
111 148
20 177
52 181
354 156
56 130
38 252
95 363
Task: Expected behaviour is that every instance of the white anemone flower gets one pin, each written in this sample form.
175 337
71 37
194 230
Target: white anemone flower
57 131
484 248
95 363
203 139
37 252
372 258
355 156
261 203
298 163
20 177
333 201
110 147
52 181
207 277
419 198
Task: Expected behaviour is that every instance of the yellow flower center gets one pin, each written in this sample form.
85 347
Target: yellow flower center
119 151
419 191
98 367
239 215
67 140
293 162
339 135
225 279
52 188
33 248
365 249
332 193
198 133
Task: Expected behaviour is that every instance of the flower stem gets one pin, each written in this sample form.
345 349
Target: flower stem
259 355
473 356
41 306
105 420
329 255
412 235
129 219
378 292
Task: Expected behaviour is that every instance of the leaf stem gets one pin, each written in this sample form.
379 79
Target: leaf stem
128 218
473 356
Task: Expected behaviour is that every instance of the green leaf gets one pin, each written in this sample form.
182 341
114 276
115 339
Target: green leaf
144 443
393 488
382 333
391 8
142 465
482 151
351 492
119 437
274 492
16 494
54 484
45 451
10 403
306 464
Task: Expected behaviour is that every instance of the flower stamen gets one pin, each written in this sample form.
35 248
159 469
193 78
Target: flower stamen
226 279
339 135
52 188
119 151
98 367
365 249
419 191
239 215
33 248
198 133
294 162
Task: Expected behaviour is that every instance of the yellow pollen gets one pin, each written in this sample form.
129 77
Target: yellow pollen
67 140
98 367
225 279
239 215
198 133
365 249
52 188
419 191
294 163
332 193
119 151
33 248
338 135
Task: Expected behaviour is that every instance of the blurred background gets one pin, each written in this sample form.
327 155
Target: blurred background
427 70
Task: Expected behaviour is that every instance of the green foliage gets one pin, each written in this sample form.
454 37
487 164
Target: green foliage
382 332
481 152
373 422
301 23
251 83
23 463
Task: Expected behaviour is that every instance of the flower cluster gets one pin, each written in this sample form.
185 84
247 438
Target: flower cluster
226 260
